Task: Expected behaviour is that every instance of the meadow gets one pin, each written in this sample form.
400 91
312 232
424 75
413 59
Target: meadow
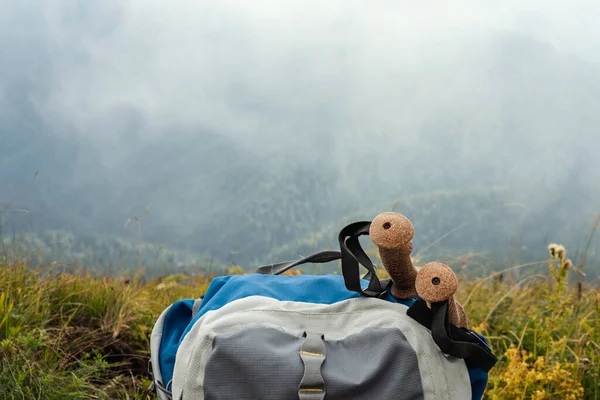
67 335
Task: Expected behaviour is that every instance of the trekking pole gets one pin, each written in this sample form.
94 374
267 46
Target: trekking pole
392 233
436 283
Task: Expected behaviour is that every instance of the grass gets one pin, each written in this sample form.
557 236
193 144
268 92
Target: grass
546 332
66 336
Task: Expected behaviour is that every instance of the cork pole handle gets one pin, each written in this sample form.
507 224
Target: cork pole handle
436 282
392 233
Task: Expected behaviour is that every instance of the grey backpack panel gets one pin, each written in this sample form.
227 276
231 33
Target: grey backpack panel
267 363
374 363
259 363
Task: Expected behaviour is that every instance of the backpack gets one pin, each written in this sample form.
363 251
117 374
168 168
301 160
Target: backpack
312 337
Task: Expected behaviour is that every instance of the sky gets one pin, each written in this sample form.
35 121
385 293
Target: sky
249 69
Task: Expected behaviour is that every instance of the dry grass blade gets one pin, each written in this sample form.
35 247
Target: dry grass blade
487 278
444 236
512 289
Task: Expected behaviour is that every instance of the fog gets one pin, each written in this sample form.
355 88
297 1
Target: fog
259 128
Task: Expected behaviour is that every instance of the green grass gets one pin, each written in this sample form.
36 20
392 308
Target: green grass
546 332
65 336
77 337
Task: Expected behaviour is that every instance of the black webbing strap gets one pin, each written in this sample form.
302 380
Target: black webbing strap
280 268
353 255
457 342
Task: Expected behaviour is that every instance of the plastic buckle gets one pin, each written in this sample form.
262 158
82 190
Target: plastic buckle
152 385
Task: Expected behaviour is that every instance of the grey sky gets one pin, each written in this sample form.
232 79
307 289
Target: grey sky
483 91
187 62
277 74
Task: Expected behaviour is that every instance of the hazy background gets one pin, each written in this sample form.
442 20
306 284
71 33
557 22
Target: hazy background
254 130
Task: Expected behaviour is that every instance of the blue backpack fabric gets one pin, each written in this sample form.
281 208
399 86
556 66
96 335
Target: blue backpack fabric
181 317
